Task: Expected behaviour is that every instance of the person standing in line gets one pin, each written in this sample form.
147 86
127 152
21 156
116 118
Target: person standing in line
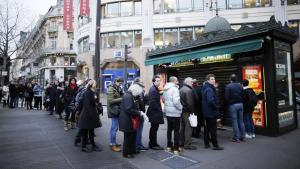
154 113
173 110
114 98
1 93
17 95
28 93
5 93
51 95
234 98
59 104
69 95
88 116
140 103
210 106
250 101
12 94
38 93
188 102
129 111
198 109
21 95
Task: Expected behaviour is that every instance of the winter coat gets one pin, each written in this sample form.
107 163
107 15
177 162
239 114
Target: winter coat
12 90
59 105
38 91
173 107
187 99
69 95
210 105
79 95
5 93
154 111
140 102
88 118
234 93
51 92
128 110
29 93
114 98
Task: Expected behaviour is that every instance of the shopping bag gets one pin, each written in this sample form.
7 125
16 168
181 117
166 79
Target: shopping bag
193 120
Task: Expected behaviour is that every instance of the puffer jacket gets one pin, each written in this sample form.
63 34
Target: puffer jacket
173 106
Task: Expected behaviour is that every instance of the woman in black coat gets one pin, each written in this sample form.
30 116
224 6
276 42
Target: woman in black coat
28 94
59 104
88 116
128 111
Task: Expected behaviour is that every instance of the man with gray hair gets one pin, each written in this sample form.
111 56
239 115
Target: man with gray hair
188 103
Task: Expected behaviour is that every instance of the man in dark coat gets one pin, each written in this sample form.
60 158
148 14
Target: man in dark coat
89 118
51 95
129 110
154 113
187 100
12 95
210 106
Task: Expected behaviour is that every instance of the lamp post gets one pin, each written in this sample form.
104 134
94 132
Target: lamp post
97 46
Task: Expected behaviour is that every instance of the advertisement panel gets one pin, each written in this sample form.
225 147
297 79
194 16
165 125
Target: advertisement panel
84 8
254 75
68 15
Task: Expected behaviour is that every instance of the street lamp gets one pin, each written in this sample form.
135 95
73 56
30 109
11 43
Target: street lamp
97 46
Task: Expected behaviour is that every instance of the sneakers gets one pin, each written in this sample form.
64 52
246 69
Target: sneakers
169 149
176 152
248 136
253 135
115 149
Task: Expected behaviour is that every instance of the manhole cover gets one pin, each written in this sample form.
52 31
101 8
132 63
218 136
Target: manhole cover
173 161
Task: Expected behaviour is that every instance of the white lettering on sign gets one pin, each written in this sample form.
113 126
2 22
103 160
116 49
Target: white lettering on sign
286 118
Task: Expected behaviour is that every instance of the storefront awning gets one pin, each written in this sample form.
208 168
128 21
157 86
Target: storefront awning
232 48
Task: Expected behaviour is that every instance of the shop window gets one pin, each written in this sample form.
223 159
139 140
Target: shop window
126 38
113 40
137 8
84 45
53 61
52 42
104 40
265 3
186 34
171 36
157 6
221 4
126 8
66 61
284 94
292 2
137 38
103 11
158 37
112 10
233 4
251 3
72 61
198 5
169 6
199 31
184 5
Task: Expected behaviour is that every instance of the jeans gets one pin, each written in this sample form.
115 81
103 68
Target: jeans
113 130
236 111
249 123
139 133
16 102
173 125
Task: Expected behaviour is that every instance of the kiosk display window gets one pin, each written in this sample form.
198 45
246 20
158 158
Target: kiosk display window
254 75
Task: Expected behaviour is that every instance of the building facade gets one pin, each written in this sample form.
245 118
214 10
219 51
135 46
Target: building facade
150 24
47 52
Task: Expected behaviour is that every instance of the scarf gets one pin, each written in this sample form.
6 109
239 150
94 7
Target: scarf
72 86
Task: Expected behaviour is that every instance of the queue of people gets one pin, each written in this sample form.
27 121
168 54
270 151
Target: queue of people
127 111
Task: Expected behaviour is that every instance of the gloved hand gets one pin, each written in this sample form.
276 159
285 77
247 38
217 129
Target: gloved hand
144 116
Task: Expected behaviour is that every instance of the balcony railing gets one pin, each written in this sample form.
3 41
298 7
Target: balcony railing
52 29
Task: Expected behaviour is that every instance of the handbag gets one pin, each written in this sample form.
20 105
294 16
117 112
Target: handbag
135 123
193 120
100 108
115 110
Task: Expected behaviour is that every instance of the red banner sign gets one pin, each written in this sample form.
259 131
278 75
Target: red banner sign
84 8
68 15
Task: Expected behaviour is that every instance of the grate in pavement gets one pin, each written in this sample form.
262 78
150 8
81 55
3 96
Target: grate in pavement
173 161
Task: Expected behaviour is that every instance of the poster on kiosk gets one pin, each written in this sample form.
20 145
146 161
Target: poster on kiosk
254 75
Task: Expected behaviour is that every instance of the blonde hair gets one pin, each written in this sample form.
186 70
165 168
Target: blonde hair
91 85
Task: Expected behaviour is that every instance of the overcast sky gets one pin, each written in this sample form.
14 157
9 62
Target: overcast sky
33 8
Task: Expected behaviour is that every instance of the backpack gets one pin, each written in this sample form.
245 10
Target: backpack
252 97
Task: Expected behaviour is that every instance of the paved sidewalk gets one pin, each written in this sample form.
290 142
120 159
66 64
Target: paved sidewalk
33 139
